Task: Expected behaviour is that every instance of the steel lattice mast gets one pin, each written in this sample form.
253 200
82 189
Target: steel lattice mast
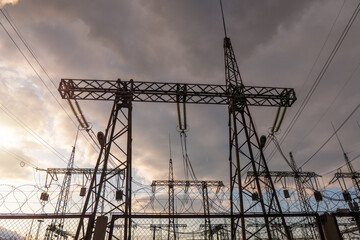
171 228
246 153
55 229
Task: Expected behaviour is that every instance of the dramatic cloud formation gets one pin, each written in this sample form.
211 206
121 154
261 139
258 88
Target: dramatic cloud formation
276 43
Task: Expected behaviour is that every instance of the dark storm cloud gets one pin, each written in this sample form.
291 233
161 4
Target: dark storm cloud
181 41
170 41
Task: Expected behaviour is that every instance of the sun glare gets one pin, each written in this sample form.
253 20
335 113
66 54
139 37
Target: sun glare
4 2
7 137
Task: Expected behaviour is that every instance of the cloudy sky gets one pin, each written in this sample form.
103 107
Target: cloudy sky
277 43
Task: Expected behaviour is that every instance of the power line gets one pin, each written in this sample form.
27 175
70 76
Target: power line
271 155
34 134
322 48
19 158
18 33
329 107
13 25
334 170
322 73
36 72
332 135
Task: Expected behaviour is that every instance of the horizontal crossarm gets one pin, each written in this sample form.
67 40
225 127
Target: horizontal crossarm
286 174
184 183
78 170
86 89
338 175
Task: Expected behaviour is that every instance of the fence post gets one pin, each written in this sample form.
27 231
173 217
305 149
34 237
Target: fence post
330 227
100 227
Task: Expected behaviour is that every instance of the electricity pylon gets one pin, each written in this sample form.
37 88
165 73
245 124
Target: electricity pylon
117 140
56 229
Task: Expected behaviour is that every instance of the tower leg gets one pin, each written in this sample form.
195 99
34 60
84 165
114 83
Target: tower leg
116 152
245 145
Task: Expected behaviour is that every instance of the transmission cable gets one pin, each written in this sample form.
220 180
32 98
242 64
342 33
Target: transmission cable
322 48
331 104
332 135
34 134
334 170
18 157
271 155
321 74
7 16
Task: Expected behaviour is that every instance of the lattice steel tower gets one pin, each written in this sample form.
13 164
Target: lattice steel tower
244 144
55 229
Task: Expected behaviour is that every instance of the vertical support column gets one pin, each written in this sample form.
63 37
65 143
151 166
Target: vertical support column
245 143
208 230
116 151
330 227
171 227
128 173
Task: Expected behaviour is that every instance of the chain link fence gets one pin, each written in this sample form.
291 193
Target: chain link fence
348 223
50 226
38 226
215 227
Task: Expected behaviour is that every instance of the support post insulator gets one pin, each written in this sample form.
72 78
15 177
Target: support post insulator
347 196
286 193
101 138
318 196
262 141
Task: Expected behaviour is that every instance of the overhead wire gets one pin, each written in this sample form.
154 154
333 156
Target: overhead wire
321 74
337 168
271 155
33 133
331 104
322 48
18 157
332 135
18 33
33 68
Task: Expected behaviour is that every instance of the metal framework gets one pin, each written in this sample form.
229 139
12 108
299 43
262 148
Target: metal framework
55 229
201 185
303 181
158 226
244 142
161 92
171 227
246 154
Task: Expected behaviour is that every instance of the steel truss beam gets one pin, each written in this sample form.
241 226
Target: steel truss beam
87 89
187 183
278 175
75 171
